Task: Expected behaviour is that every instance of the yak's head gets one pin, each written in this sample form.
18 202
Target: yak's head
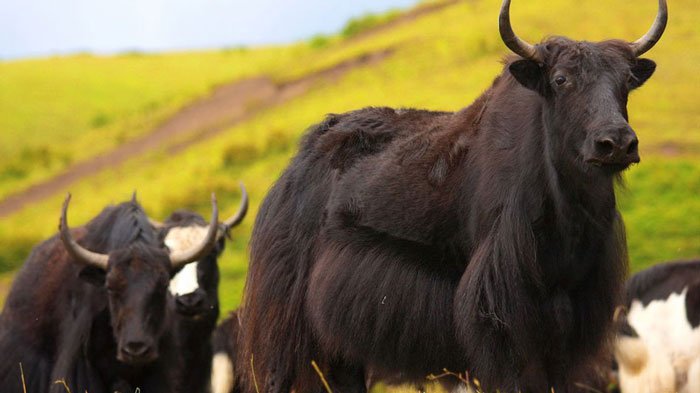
136 278
195 286
585 86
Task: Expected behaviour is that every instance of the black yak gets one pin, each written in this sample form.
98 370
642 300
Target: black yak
95 312
487 240
195 291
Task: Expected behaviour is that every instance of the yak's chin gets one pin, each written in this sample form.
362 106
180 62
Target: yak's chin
611 167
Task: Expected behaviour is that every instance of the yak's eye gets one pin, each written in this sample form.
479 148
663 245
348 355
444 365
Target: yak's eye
560 80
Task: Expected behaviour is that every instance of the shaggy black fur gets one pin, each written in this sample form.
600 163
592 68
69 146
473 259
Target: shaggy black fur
660 281
403 242
60 322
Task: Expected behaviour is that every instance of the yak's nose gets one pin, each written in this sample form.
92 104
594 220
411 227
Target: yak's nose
617 146
137 349
192 302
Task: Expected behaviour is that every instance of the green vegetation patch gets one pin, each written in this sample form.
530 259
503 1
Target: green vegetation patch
442 61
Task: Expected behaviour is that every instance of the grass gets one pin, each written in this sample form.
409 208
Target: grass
442 61
61 110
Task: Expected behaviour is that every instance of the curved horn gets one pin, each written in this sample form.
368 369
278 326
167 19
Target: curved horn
652 36
155 223
76 251
236 219
512 41
180 259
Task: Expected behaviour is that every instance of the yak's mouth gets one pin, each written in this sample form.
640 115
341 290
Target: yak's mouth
612 166
194 313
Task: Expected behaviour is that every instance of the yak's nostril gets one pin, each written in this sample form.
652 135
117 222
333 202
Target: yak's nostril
604 147
633 147
136 348
190 301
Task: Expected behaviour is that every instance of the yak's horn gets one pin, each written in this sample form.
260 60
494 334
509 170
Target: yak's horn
78 253
512 41
652 36
240 214
179 259
155 223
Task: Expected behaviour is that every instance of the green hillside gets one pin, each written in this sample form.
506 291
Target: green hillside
81 105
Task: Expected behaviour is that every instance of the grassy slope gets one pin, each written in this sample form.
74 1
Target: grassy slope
57 111
443 61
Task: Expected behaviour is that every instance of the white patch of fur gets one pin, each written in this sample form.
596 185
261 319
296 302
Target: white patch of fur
693 384
632 354
181 239
663 358
221 373
463 388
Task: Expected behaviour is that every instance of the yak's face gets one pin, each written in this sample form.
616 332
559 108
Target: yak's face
137 282
585 86
135 272
195 286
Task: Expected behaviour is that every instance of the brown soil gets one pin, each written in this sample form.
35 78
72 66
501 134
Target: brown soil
225 107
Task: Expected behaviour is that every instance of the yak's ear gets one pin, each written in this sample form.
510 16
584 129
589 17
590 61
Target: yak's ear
641 71
528 73
92 275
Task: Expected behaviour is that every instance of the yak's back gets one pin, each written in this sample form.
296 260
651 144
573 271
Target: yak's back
390 170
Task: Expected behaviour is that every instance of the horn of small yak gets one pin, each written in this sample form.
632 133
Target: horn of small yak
78 253
155 223
179 259
512 41
239 216
652 36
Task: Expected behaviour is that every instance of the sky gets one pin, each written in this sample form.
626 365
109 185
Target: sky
34 28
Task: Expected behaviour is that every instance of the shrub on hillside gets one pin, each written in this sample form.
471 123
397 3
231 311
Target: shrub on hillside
367 21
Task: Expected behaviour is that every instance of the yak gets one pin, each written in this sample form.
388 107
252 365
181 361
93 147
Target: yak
487 240
226 339
658 345
91 308
195 291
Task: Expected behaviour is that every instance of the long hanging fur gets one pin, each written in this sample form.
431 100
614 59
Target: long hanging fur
401 242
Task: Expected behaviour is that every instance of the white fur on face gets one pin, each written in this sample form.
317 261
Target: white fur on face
670 344
221 373
181 239
642 372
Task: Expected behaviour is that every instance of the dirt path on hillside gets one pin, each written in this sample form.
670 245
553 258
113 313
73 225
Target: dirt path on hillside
405 18
225 107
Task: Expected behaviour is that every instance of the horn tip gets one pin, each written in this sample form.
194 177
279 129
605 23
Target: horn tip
63 220
64 210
